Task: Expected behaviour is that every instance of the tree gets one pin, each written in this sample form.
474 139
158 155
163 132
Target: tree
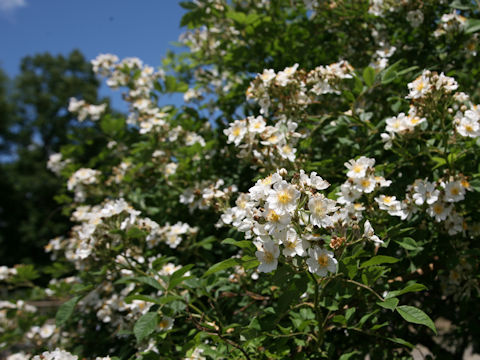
37 125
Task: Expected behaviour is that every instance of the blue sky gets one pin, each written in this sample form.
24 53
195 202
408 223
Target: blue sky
144 29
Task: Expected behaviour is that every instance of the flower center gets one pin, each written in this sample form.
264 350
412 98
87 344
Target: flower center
163 324
357 169
284 197
322 260
438 208
268 257
273 216
387 199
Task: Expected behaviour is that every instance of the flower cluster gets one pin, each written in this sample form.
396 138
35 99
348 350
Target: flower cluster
85 110
361 180
437 199
427 89
402 124
207 194
98 222
291 90
294 219
264 142
450 23
56 163
6 272
467 122
430 84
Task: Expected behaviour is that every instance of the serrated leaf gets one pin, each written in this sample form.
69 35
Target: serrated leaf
389 304
65 310
225 264
409 288
379 259
145 325
416 316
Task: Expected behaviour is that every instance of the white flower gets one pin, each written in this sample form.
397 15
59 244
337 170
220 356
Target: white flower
47 330
166 323
365 184
287 152
348 194
468 125
369 233
275 221
420 86
454 191
256 124
283 198
321 261
358 168
294 244
267 76
388 203
236 132
170 169
268 256
314 181
283 77
425 192
263 187
439 211
320 207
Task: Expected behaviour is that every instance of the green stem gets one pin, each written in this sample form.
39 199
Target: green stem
318 313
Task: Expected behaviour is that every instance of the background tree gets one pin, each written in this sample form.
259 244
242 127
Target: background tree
34 124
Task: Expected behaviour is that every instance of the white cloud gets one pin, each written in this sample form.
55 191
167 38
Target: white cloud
11 5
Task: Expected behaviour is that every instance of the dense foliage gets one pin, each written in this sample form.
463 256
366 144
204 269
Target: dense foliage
315 196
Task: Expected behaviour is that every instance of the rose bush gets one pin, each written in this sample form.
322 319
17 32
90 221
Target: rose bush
314 197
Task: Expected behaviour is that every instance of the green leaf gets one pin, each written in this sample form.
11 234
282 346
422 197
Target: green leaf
389 304
402 342
473 25
225 264
462 5
409 244
66 310
145 298
136 233
175 282
111 125
439 162
145 325
349 355
244 244
379 259
390 73
369 76
416 316
150 281
409 288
